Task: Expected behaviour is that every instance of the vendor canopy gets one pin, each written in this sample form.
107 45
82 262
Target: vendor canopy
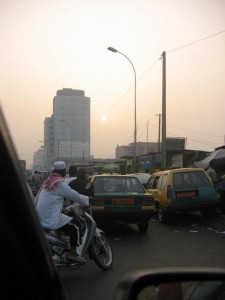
213 156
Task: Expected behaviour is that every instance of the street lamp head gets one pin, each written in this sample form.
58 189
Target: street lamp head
135 125
112 49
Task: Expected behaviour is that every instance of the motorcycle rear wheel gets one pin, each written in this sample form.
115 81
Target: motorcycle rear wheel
102 252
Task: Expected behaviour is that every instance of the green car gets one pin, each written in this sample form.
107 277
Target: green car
121 198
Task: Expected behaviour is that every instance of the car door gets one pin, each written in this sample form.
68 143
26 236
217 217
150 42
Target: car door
152 187
162 190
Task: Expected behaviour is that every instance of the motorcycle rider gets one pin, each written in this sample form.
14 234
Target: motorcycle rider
79 184
49 204
72 174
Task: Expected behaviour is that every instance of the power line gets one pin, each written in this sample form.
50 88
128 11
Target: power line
188 139
200 40
140 78
186 45
195 131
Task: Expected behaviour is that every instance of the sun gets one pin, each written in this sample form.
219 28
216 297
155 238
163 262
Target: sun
103 118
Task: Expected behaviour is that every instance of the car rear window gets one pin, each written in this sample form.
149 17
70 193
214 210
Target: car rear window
118 185
190 179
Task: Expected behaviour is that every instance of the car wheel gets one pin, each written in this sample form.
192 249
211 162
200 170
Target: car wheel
143 227
162 214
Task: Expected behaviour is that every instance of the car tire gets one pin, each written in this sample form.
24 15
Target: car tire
162 214
143 227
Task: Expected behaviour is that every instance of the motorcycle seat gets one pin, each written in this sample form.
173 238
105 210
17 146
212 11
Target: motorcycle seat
57 235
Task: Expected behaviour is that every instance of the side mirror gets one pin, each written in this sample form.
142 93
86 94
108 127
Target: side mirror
173 284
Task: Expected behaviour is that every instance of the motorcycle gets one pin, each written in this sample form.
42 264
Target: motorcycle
94 242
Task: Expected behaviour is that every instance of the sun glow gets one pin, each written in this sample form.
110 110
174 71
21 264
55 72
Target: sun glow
103 118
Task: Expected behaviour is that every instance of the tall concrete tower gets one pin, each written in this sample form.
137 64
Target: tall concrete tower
71 125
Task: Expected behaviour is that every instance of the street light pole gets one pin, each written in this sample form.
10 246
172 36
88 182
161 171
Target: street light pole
135 109
70 136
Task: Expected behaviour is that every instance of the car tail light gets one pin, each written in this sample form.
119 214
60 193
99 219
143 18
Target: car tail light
169 192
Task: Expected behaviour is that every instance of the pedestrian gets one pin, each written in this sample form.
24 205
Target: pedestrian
49 205
36 182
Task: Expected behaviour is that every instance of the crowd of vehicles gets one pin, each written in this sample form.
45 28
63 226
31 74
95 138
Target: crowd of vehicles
142 195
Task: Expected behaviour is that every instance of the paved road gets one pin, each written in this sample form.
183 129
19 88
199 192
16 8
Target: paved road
188 241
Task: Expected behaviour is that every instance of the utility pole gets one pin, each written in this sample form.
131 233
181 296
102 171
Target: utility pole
159 133
164 163
147 139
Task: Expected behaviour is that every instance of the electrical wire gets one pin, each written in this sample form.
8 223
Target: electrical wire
198 41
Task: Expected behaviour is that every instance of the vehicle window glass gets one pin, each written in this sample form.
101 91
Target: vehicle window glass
187 179
155 182
134 186
118 185
98 185
150 182
163 186
177 180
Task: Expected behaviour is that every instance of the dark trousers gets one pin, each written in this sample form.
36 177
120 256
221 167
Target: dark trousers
71 229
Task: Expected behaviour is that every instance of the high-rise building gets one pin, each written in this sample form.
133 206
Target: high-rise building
67 131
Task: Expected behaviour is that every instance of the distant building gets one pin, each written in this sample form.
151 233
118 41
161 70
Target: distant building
67 131
143 148
71 113
38 160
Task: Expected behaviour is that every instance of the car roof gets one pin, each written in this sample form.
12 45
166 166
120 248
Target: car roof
142 177
178 170
112 175
139 174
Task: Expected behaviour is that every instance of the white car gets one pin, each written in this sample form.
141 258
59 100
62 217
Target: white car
143 177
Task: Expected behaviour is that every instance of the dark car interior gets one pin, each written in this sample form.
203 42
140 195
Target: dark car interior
27 270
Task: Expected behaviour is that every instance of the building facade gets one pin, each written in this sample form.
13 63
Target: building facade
143 148
67 131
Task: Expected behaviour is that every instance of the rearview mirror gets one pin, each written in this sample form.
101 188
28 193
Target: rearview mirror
173 284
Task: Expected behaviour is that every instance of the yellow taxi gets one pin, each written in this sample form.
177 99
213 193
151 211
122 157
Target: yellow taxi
182 190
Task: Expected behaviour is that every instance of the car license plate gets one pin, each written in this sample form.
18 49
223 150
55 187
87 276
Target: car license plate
123 201
189 194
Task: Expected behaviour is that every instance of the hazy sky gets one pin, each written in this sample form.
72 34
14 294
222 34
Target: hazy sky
47 45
